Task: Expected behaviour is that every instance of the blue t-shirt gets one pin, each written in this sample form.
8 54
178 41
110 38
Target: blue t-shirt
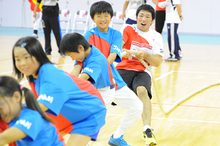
97 67
108 42
77 102
39 132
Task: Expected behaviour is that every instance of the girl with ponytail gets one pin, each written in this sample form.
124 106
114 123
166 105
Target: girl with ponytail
28 125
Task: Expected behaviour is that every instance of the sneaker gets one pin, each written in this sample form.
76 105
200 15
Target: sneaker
180 54
172 59
35 35
117 142
149 138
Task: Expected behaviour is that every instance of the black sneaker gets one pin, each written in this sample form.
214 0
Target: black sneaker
149 138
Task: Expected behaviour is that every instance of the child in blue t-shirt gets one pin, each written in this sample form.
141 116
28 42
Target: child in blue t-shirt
28 124
74 104
109 42
94 65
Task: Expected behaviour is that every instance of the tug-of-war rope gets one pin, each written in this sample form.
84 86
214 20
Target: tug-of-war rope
176 104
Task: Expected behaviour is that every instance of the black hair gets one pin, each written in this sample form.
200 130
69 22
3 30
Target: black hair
101 7
146 7
71 41
9 85
34 48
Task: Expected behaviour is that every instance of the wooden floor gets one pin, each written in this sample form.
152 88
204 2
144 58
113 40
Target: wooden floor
196 122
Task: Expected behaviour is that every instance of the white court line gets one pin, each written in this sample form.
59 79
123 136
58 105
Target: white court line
164 75
171 119
6 72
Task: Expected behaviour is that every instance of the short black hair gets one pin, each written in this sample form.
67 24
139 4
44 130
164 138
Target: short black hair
71 41
146 7
34 48
101 7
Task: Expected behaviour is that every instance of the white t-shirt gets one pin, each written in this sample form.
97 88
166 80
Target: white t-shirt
132 8
172 15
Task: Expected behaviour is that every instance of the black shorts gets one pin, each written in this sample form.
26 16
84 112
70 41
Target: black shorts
136 78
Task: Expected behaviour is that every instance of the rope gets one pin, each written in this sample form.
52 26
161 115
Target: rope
167 112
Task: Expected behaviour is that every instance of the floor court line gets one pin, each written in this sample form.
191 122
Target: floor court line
172 119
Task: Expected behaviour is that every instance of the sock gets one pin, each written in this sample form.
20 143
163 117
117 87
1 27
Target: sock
35 31
146 127
119 132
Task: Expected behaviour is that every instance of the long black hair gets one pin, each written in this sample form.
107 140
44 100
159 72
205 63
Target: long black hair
9 85
34 48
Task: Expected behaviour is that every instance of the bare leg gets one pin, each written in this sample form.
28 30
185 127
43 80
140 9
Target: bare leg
78 140
147 107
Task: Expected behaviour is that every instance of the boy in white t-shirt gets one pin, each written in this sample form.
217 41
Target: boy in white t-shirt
149 45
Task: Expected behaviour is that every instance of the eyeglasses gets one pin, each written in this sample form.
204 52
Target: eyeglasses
1 106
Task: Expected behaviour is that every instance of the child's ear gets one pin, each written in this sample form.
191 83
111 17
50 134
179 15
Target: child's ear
17 96
80 48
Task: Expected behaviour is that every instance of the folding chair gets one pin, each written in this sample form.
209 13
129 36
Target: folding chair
81 17
65 17
116 19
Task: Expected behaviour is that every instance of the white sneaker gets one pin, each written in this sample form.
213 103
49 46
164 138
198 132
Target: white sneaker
35 35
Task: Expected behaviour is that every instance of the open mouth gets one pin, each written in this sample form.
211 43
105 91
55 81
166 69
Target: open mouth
143 24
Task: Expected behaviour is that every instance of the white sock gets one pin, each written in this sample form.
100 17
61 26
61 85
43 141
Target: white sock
146 127
119 132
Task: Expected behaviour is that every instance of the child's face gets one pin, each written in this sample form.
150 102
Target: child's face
102 21
144 20
25 63
9 108
79 56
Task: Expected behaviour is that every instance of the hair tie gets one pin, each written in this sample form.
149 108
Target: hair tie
21 87
23 45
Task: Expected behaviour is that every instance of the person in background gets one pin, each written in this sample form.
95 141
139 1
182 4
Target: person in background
50 21
160 14
36 20
131 6
173 19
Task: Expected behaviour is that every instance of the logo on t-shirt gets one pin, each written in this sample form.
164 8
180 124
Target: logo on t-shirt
116 48
88 69
25 123
45 97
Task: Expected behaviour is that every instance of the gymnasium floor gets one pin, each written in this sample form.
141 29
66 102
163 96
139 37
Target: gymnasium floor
195 122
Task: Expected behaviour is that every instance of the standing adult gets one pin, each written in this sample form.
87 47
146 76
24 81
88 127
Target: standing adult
160 14
131 7
173 18
50 21
36 20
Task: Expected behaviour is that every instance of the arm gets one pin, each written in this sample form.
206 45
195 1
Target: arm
155 2
6 137
43 107
179 10
124 9
153 59
35 9
84 76
76 70
112 57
